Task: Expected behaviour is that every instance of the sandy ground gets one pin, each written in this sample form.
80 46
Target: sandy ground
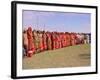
72 56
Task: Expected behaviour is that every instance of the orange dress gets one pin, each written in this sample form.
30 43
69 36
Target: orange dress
25 42
72 39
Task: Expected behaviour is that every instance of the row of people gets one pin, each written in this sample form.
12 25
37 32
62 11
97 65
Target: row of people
37 41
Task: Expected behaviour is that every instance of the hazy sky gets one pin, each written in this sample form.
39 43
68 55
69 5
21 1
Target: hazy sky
57 21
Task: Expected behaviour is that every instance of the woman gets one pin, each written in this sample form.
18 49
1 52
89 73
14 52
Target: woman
31 47
25 42
72 39
49 41
54 40
41 41
44 37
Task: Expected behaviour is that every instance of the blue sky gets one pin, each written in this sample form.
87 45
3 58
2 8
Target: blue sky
57 21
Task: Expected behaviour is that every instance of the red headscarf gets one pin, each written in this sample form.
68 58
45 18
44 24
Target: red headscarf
31 47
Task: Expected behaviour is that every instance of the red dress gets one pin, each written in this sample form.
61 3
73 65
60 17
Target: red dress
63 40
67 40
31 46
54 40
44 41
41 42
60 45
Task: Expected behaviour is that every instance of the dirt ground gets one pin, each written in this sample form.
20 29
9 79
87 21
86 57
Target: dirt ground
72 56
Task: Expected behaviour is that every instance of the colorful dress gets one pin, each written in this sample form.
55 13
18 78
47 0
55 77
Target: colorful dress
49 42
41 42
44 41
25 42
31 47
54 40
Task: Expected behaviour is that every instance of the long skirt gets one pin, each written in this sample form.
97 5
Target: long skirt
31 48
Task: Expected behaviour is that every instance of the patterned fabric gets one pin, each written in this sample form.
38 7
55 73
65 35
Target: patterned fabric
37 41
31 46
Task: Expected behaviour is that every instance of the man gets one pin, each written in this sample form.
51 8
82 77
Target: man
89 37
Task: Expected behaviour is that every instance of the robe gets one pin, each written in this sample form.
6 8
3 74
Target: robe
31 46
44 41
25 43
54 40
41 42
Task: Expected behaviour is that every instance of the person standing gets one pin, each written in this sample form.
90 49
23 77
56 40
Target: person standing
54 40
67 39
41 41
31 46
44 41
49 42
60 45
72 39
63 39
25 42
89 37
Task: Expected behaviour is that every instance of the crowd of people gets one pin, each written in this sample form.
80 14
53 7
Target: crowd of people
36 41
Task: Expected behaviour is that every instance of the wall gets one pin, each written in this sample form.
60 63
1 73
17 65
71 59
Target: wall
5 40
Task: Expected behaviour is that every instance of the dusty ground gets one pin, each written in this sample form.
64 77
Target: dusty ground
73 56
